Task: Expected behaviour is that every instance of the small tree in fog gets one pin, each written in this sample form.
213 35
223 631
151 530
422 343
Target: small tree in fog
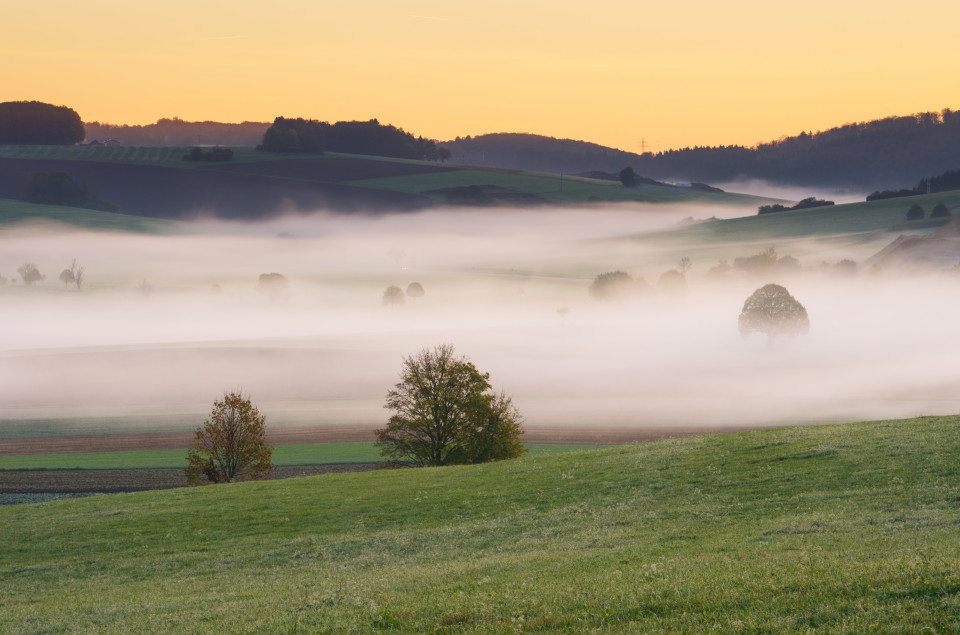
273 285
230 445
612 285
444 414
773 311
684 264
29 273
672 282
915 212
73 275
415 290
393 295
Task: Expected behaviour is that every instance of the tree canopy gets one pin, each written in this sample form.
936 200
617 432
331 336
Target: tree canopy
37 123
355 137
773 311
445 414
230 445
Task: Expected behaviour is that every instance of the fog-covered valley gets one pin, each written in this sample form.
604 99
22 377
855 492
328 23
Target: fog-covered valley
164 324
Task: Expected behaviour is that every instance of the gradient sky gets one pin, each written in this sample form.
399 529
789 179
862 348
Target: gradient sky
688 72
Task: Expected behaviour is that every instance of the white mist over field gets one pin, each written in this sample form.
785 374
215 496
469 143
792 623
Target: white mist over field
147 343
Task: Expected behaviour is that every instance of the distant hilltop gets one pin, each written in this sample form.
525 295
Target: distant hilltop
886 153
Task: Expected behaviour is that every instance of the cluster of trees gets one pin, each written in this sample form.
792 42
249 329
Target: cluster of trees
394 295
916 212
804 204
30 274
37 123
444 413
619 285
356 137
213 154
177 132
60 188
945 182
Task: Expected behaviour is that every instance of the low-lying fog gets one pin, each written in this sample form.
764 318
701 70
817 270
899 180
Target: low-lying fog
163 325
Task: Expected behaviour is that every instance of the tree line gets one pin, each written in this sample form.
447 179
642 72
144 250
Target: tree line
354 137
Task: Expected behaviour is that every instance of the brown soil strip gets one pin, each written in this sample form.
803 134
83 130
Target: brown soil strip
112 481
335 434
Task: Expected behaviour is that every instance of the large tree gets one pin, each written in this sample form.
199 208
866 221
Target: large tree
37 123
773 311
445 414
230 445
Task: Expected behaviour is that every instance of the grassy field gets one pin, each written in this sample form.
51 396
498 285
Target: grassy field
841 528
298 454
851 219
13 212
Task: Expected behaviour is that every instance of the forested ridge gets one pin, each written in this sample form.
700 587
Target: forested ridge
886 153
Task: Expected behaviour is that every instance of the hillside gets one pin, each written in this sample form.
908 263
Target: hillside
887 153
839 528
156 182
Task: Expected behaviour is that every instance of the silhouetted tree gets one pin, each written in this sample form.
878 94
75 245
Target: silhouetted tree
37 123
29 273
628 178
443 414
230 445
915 212
940 211
773 311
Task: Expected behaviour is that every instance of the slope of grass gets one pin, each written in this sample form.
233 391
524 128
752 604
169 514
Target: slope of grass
571 189
295 454
837 528
12 212
848 219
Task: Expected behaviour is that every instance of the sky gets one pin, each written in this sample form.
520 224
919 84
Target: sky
631 74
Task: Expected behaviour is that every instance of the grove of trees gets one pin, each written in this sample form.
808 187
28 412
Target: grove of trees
230 445
355 137
444 413
37 123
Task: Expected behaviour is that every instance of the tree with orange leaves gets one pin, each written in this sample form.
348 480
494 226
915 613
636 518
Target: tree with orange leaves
230 445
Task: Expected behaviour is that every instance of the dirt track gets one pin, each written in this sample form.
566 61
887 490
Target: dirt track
330 434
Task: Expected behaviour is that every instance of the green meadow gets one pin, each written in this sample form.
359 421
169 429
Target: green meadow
838 528
298 454
12 212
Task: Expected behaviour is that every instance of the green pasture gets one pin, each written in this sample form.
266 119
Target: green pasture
851 219
298 454
839 528
566 188
13 212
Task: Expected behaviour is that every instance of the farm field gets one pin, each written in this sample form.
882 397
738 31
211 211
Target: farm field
283 455
13 212
840 527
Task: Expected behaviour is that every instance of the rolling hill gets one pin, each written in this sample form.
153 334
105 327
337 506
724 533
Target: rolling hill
156 182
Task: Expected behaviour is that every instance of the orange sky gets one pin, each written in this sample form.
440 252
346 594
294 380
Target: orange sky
611 71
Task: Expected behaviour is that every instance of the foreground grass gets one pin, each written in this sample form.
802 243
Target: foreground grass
842 528
294 454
